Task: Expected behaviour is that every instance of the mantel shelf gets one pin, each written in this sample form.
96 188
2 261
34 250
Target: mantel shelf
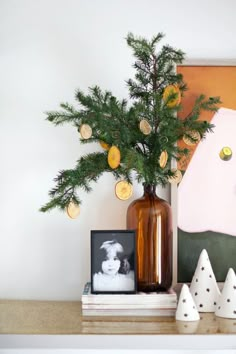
61 318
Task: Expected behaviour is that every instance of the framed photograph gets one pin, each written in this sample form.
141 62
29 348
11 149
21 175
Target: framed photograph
204 203
113 262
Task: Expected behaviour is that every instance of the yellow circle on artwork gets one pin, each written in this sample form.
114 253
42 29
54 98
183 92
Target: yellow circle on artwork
225 153
104 145
145 127
177 178
123 190
85 131
170 90
163 159
195 135
73 210
113 157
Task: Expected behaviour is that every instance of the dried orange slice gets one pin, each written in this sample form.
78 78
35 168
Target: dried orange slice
177 178
73 210
145 127
195 135
104 145
113 157
123 190
170 90
85 131
163 159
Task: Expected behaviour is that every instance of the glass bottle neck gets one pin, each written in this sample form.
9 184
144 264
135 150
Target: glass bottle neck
149 189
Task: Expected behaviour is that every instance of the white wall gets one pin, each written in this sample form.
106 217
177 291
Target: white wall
49 48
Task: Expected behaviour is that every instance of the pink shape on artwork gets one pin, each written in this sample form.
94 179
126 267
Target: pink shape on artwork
207 193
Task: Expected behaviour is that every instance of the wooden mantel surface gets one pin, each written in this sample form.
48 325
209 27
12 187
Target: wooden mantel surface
62 317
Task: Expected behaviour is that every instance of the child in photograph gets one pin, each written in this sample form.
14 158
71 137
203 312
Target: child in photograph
115 273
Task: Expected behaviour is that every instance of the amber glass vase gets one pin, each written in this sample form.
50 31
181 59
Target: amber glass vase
151 217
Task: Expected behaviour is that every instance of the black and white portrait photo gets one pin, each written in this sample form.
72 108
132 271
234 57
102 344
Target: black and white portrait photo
113 261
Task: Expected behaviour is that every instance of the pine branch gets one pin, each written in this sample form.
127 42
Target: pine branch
67 115
117 122
88 169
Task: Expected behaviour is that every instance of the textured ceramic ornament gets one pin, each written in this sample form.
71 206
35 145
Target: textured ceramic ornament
204 288
226 306
186 309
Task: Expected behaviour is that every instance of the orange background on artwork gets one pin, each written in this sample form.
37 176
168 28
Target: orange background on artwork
210 81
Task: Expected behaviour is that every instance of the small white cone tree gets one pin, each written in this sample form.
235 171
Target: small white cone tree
204 288
186 309
226 306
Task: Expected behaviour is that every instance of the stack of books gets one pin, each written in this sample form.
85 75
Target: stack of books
140 304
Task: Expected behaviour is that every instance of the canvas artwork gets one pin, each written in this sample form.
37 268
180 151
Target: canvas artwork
206 196
113 261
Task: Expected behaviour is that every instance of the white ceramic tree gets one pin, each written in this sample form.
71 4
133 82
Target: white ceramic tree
186 309
226 306
204 288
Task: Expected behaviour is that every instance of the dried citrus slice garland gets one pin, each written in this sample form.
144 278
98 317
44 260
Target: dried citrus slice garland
104 145
195 135
113 157
177 178
73 210
85 131
163 159
170 90
145 127
123 190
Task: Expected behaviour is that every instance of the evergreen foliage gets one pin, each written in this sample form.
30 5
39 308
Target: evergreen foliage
116 123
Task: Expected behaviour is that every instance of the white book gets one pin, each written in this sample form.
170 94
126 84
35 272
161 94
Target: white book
133 313
167 299
127 306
